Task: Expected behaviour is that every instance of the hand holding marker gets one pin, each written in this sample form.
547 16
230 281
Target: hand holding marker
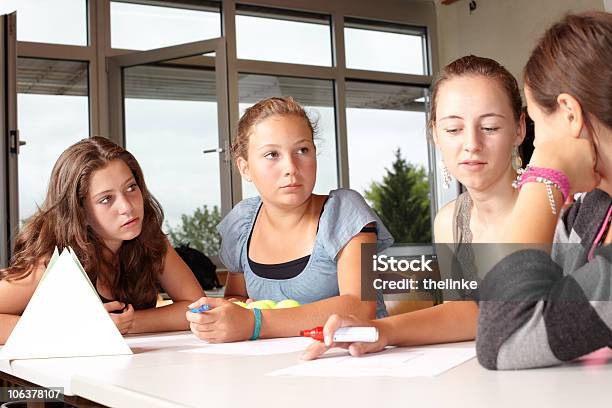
345 334
372 337
342 335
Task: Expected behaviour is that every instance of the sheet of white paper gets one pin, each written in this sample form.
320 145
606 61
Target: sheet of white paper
64 318
255 348
164 341
5 365
393 362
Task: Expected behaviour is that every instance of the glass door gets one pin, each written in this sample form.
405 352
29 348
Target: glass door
9 136
169 108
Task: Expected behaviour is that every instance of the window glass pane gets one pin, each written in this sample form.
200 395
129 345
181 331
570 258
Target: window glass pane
53 109
283 39
316 96
384 48
57 21
143 27
388 156
170 119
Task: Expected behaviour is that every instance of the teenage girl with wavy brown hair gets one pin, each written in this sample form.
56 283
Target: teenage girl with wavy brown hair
98 204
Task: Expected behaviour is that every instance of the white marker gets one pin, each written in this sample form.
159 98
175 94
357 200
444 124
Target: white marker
345 334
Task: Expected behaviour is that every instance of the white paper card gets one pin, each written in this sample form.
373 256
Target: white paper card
64 318
255 348
159 341
393 362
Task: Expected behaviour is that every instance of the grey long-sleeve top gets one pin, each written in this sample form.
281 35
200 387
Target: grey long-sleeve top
560 306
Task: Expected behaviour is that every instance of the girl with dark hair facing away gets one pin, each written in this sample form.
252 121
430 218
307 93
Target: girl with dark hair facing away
559 306
97 203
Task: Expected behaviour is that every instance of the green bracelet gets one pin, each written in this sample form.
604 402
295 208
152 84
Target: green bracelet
257 328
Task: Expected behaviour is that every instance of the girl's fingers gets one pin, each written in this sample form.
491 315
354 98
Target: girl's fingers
113 306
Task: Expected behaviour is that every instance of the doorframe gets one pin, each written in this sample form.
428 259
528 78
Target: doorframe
116 107
9 146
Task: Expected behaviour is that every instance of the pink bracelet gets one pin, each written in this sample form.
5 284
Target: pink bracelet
557 177
550 177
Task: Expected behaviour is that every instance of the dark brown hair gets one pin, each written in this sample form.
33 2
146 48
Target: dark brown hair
478 66
132 274
573 57
260 112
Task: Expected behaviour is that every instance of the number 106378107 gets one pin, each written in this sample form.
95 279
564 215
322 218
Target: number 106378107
31 394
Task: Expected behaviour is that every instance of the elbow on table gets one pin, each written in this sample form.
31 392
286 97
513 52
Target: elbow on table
486 352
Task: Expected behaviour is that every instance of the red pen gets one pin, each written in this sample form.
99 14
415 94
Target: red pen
345 334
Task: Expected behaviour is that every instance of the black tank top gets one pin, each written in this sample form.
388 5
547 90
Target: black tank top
289 269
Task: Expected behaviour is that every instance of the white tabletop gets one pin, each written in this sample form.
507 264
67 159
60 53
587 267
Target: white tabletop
244 382
165 377
59 372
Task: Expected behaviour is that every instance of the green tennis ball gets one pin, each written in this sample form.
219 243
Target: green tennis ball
287 303
261 304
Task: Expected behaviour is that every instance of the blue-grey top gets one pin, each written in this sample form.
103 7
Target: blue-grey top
344 214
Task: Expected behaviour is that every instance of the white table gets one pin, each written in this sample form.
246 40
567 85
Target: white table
165 377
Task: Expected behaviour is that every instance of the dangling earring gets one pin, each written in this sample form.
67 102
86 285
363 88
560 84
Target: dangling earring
447 178
517 162
248 179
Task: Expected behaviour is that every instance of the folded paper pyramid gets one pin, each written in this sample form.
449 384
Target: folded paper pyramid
64 318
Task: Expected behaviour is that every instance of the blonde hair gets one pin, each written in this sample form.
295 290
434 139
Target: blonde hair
261 111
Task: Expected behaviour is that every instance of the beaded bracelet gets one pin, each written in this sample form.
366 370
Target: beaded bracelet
257 328
549 177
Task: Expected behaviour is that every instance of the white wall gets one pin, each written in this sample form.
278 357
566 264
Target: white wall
505 30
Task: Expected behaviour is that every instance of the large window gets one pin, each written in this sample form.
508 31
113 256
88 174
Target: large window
170 120
362 75
53 109
385 47
296 38
144 27
392 173
57 21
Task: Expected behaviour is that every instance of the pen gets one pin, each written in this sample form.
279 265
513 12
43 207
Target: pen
201 309
345 334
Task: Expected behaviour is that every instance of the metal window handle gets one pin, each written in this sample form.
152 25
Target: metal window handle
225 150
215 150
15 143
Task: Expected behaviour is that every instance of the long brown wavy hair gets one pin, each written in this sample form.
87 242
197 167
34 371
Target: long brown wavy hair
132 273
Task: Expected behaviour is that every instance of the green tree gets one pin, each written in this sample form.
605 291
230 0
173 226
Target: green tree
198 230
401 201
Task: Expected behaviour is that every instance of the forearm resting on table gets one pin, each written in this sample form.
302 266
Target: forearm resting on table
445 323
289 322
164 318
233 298
7 324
